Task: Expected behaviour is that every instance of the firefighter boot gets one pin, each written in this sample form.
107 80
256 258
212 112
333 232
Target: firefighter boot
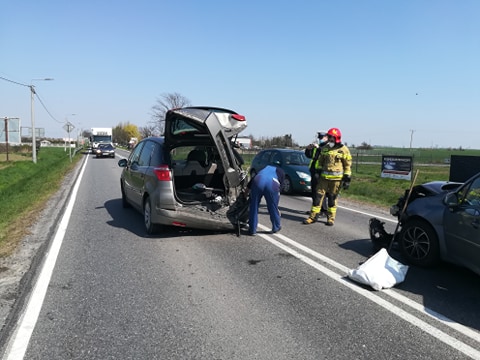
330 221
311 219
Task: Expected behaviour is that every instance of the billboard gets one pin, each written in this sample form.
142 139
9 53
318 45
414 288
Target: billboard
12 125
397 167
462 167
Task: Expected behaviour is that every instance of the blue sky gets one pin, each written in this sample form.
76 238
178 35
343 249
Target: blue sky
383 72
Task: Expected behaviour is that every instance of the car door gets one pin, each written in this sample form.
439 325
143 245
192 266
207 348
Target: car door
276 159
130 170
140 171
263 159
462 226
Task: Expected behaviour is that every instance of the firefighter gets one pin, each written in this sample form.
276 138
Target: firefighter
335 165
268 183
312 151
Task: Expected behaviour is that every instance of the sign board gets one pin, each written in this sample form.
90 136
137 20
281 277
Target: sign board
13 126
27 132
462 167
397 167
68 127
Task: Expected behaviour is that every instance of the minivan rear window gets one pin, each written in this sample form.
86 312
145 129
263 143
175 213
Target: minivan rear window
182 127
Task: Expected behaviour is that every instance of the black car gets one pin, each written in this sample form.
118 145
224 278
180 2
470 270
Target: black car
441 221
105 150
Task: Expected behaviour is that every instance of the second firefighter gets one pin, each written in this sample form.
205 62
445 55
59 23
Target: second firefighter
335 169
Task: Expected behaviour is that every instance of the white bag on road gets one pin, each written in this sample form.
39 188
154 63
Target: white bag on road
380 271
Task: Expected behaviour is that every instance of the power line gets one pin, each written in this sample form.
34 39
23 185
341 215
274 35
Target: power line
35 93
48 112
14 82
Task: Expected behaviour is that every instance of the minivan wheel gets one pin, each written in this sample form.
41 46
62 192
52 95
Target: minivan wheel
147 217
419 243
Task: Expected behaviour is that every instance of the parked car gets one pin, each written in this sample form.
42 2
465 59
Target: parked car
441 222
193 176
105 150
293 162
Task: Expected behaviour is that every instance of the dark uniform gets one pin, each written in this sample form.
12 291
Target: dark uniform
313 152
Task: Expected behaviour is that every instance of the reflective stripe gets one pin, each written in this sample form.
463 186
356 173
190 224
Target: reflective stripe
332 177
332 173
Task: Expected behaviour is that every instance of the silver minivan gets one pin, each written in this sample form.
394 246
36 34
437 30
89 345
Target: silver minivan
192 177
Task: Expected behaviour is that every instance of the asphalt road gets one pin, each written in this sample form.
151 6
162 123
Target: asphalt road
115 293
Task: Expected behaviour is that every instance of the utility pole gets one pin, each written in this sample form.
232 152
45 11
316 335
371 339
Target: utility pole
6 135
32 117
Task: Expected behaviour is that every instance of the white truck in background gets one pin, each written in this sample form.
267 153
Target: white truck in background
99 136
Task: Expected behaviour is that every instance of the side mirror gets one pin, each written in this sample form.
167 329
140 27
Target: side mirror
451 199
122 162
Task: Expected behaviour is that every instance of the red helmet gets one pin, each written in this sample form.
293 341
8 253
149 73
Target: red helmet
336 133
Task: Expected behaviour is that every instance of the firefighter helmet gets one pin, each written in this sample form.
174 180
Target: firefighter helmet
336 133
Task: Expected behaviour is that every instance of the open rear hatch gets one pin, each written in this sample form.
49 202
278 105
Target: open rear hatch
207 170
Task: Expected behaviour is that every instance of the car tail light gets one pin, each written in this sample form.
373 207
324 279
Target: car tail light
163 173
238 117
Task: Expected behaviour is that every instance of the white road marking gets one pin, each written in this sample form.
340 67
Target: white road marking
357 211
17 345
390 292
344 280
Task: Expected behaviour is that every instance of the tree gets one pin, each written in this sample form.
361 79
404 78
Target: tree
147 131
132 131
276 141
164 103
122 133
365 146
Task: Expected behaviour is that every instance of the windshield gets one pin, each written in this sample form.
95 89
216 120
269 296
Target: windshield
295 158
105 146
99 138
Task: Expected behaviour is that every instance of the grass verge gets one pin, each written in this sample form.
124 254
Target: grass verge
25 187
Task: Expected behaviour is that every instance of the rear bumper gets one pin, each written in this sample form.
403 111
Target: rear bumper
191 220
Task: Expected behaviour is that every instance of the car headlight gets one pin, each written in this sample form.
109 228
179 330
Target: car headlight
303 175
394 210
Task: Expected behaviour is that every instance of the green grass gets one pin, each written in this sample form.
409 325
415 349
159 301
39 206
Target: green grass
368 186
24 189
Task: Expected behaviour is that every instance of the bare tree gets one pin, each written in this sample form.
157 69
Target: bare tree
164 103
147 131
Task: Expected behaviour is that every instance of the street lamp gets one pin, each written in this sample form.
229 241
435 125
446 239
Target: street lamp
32 117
